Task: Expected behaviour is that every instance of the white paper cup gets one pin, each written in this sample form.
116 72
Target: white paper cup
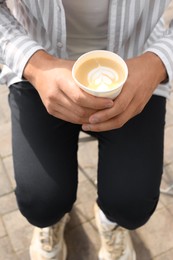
114 91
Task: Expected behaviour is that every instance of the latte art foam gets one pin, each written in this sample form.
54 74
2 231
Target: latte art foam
100 74
102 78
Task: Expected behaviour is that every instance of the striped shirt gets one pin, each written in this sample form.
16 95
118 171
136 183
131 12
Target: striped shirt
134 26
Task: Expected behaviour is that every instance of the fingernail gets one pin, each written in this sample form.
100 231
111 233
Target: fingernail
86 127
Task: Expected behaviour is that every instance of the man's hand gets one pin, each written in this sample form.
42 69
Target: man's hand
62 98
145 73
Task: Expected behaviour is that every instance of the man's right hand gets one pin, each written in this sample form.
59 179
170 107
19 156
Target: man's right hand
52 78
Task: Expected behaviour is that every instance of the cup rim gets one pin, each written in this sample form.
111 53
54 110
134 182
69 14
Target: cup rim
104 53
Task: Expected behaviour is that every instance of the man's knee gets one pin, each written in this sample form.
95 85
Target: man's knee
45 209
128 213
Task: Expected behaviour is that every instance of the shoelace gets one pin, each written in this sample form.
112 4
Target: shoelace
50 236
115 241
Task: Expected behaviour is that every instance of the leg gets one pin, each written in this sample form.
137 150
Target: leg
45 158
129 176
130 167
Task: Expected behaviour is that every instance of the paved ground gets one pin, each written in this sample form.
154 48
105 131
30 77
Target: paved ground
154 241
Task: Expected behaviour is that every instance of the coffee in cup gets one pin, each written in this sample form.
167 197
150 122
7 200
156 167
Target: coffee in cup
100 73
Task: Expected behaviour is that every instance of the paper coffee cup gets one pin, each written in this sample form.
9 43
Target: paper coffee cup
100 73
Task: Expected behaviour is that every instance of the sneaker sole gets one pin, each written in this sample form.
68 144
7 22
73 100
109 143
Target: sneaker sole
36 255
100 257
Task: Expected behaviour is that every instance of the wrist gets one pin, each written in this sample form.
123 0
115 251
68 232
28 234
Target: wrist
157 66
38 62
41 62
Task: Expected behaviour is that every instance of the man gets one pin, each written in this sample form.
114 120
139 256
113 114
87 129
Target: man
39 42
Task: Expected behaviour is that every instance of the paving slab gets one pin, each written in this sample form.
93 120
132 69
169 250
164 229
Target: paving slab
8 165
166 256
156 235
5 185
4 107
5 139
6 250
3 232
18 229
8 203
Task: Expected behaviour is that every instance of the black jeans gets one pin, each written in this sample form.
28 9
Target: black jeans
45 162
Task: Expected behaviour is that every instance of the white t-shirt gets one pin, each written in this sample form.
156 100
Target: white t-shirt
87 24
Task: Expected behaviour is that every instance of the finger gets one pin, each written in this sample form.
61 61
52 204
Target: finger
65 103
84 99
69 116
113 123
65 109
120 105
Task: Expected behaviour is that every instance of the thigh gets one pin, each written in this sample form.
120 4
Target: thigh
44 147
131 158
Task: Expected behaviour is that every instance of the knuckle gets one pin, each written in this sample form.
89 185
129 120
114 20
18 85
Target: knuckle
119 122
122 106
140 108
78 120
49 100
80 113
50 95
49 109
139 111
141 101
77 98
49 106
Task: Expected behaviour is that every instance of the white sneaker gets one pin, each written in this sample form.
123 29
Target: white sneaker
116 243
48 243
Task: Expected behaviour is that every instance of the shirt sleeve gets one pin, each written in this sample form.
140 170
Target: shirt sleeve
161 43
16 47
